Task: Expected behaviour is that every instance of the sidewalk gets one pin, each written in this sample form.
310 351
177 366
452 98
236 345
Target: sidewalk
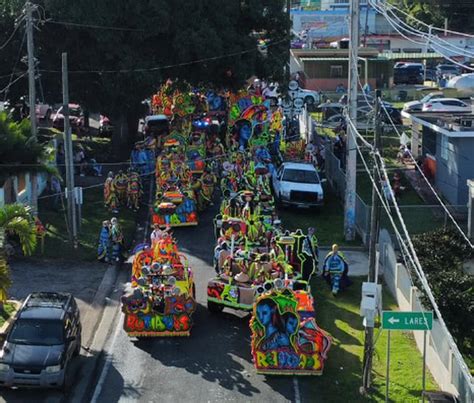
88 282
358 261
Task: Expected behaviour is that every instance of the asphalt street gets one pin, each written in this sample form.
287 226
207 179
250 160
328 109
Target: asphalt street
213 364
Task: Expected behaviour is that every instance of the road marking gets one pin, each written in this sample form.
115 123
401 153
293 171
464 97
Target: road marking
108 363
296 387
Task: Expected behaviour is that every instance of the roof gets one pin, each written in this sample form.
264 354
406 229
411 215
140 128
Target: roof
300 166
444 123
42 313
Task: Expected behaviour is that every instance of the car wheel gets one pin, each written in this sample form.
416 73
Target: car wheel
214 308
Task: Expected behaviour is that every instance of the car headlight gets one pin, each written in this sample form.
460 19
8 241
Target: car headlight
4 367
285 193
53 369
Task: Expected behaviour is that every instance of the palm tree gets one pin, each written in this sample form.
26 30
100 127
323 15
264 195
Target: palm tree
15 220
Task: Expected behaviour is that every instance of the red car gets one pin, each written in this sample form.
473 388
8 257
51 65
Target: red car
76 117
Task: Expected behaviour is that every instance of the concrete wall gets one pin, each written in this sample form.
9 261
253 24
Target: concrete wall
442 356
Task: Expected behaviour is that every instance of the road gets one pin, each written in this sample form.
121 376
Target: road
213 364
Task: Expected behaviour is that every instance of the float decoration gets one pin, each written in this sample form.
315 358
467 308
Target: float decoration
161 299
286 339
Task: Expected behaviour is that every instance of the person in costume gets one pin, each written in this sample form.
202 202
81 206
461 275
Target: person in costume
110 193
310 252
134 191
335 270
103 250
120 182
117 239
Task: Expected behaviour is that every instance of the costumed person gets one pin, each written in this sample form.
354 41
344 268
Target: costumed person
103 250
311 253
335 270
157 234
120 182
110 193
134 190
117 240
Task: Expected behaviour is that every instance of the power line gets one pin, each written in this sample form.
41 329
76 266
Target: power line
13 82
12 34
157 68
431 187
75 24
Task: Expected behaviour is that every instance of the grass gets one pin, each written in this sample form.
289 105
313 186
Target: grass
339 316
328 220
93 213
8 310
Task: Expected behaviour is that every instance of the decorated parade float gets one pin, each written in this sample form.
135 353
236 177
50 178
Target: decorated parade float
161 298
286 339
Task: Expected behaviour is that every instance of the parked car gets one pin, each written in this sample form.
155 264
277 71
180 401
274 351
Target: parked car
44 338
43 111
298 184
450 70
76 117
416 106
156 125
447 105
408 73
310 97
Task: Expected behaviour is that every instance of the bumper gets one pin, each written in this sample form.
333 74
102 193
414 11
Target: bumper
11 378
288 202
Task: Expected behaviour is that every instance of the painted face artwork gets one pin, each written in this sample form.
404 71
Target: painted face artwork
264 314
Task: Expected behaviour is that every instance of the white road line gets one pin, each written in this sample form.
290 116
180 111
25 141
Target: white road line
108 362
296 388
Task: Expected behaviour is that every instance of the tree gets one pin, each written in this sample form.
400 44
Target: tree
442 254
15 220
19 151
162 33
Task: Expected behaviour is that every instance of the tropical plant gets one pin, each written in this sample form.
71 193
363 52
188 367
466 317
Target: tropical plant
15 221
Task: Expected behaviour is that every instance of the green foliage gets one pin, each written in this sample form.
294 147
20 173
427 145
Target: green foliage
15 219
18 150
442 254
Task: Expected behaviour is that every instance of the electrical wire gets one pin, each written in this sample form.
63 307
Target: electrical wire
16 62
12 34
13 82
428 183
75 24
157 68
411 253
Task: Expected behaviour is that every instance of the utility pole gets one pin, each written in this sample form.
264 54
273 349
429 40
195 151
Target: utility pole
351 156
71 203
374 235
32 97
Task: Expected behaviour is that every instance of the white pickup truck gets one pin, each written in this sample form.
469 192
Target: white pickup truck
298 184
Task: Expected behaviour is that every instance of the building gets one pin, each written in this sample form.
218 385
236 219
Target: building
18 188
447 143
325 69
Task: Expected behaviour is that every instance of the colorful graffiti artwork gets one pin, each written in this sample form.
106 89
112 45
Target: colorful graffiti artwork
285 336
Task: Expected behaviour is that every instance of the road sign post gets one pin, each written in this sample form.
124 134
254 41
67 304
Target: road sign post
396 320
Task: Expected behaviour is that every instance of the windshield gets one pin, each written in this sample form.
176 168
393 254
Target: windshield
300 176
37 332
75 112
158 124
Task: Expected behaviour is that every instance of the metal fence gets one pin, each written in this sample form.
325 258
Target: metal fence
418 218
443 358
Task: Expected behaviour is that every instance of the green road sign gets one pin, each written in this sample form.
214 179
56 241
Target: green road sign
395 320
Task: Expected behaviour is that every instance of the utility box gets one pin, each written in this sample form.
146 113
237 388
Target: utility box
371 303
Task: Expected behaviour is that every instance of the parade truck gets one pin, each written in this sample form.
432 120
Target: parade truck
161 297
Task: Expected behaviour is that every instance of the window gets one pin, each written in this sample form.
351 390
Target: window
299 176
335 72
444 146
